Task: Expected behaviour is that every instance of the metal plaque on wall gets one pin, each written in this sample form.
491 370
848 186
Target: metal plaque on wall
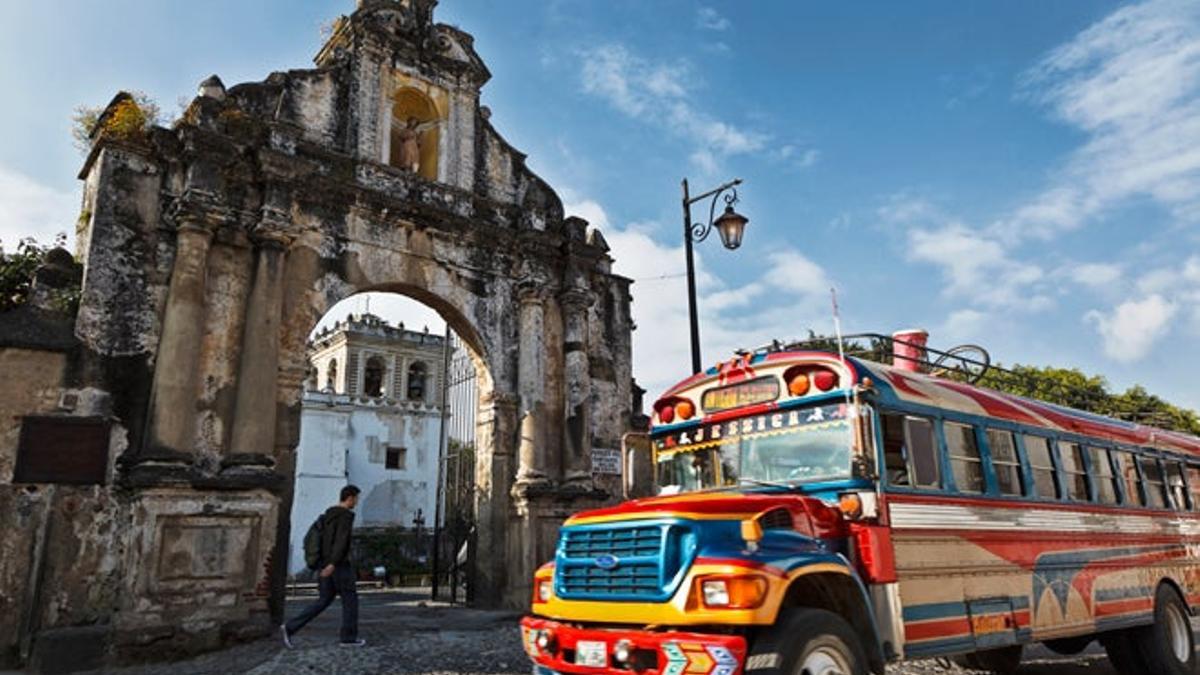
62 449
606 461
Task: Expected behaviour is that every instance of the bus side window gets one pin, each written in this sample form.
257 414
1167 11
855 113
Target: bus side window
922 452
895 457
1073 471
1193 479
1042 464
1175 485
1152 478
1127 474
1005 462
965 461
1102 475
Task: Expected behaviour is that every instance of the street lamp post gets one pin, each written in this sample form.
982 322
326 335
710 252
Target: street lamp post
730 226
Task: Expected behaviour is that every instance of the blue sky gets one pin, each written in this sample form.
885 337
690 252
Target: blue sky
1023 175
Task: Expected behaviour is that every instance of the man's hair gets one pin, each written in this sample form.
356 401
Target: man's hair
348 492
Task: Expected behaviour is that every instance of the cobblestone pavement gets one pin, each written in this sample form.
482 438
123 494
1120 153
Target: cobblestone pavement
405 637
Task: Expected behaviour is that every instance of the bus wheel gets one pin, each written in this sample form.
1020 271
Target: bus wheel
807 642
1168 646
1123 653
1002 661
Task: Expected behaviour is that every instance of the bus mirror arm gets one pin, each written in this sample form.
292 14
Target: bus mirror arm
637 467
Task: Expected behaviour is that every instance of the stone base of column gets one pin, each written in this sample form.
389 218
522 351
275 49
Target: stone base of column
533 533
532 481
581 481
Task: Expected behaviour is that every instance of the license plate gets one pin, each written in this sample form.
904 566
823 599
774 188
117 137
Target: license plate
591 654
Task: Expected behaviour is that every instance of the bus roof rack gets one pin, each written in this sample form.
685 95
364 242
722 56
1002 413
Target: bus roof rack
972 364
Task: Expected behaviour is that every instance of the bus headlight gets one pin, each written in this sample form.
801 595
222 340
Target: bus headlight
727 592
545 640
622 651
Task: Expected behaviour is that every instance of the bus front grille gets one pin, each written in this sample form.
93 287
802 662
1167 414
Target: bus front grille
622 561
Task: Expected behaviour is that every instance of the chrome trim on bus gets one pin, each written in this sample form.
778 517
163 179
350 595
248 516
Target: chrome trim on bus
926 516
889 619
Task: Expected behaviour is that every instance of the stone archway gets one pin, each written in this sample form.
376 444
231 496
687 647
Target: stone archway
211 249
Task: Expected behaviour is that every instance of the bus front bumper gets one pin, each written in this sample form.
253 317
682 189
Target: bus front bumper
596 651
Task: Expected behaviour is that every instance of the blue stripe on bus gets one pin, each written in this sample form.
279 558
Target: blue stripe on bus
950 610
937 610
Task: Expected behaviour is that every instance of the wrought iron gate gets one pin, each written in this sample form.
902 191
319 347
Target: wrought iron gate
454 536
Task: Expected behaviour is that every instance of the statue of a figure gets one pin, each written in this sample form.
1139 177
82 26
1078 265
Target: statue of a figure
409 138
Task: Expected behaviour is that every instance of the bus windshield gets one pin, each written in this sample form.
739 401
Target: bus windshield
787 447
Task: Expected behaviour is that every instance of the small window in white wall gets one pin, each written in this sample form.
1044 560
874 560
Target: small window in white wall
373 376
331 375
396 458
416 381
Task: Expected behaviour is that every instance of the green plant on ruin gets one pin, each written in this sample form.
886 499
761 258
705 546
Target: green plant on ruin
128 119
17 270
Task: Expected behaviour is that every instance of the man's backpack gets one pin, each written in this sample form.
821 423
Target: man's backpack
312 543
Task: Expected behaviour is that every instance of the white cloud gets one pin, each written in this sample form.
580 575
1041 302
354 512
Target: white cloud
790 270
903 208
30 209
659 94
978 267
962 325
710 19
800 158
1095 274
1130 330
587 209
1131 83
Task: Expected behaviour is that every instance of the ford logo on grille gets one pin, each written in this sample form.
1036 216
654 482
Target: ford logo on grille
607 562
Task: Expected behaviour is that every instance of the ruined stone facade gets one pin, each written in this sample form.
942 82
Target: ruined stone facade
209 252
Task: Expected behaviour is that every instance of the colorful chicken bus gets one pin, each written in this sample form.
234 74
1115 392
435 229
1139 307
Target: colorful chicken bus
820 515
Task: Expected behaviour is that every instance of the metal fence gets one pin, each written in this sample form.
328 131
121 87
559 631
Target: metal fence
454 538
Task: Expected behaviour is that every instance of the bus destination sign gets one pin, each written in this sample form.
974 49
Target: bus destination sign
759 390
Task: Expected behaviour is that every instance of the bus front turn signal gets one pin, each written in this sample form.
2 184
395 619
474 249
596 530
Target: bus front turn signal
732 592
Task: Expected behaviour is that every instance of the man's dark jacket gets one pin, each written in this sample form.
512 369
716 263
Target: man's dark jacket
335 536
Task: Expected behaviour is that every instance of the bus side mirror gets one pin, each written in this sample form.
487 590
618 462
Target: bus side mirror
637 466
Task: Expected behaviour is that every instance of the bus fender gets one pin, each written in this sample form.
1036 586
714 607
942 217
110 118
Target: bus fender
830 582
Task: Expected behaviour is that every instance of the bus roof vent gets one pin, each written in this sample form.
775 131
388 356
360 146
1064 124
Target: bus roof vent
776 519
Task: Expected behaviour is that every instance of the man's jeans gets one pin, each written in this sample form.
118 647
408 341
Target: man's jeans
341 582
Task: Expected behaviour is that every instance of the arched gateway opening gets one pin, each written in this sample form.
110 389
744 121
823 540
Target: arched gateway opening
209 253
400 423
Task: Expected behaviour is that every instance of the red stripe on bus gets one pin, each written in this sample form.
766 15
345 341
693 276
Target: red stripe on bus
926 630
1131 606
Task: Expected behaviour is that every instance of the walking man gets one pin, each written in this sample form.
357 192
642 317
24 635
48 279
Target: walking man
337 573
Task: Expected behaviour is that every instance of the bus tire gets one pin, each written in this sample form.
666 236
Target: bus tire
1001 661
1122 650
1168 646
812 641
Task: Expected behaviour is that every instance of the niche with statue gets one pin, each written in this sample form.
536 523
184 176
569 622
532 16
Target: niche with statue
416 133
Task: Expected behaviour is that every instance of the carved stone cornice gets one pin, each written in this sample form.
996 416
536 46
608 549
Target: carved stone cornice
199 208
576 299
533 291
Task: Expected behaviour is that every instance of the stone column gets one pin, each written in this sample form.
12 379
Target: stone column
577 441
174 391
258 364
531 385
496 424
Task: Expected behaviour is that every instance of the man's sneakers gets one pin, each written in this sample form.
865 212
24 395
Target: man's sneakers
354 643
287 639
